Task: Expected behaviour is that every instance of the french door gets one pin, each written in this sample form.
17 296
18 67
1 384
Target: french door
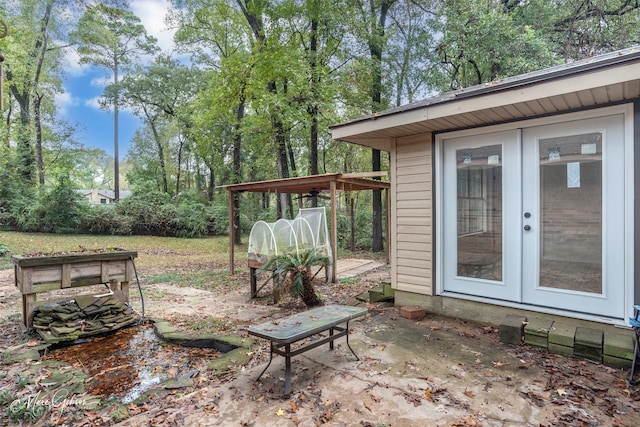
537 216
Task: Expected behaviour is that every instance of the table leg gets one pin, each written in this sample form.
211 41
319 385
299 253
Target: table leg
331 342
270 359
348 345
287 372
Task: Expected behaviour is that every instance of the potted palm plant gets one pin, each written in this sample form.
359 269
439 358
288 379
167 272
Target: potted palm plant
291 273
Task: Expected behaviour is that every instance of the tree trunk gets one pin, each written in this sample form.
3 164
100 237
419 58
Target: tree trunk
179 170
237 168
309 293
212 184
285 204
116 160
313 109
156 136
376 46
37 121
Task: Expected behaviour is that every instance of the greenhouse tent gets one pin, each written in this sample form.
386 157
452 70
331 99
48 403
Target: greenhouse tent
331 183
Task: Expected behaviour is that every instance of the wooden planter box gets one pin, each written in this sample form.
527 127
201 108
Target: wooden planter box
44 273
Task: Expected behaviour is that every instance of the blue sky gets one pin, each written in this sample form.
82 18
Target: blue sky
83 86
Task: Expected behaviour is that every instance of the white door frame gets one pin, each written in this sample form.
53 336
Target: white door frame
629 214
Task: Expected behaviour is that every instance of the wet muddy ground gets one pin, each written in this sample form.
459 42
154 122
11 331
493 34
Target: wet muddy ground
123 365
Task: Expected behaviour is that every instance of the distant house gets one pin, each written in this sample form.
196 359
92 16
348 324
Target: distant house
102 197
521 194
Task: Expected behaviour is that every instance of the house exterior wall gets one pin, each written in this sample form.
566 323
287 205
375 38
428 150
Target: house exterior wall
412 216
96 198
413 220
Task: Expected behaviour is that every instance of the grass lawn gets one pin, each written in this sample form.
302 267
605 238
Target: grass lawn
195 263
152 251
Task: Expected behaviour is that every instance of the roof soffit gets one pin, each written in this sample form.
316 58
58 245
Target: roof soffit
575 91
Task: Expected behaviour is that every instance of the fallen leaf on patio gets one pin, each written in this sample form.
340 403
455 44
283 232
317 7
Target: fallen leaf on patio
499 364
367 406
429 394
280 412
561 392
469 393
294 407
435 328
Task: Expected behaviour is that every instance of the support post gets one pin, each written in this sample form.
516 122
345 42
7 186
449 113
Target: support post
334 233
231 235
388 222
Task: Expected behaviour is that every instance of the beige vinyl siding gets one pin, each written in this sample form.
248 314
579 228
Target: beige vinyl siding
411 204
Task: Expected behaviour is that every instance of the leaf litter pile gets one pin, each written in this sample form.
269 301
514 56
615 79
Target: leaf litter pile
582 393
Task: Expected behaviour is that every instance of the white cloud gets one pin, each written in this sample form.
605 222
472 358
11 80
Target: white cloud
92 102
152 14
64 101
74 68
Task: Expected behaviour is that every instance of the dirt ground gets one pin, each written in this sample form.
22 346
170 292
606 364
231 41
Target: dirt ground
433 372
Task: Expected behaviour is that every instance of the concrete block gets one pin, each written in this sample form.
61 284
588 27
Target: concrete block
588 343
512 329
413 312
387 290
536 332
619 345
616 362
560 349
562 335
377 295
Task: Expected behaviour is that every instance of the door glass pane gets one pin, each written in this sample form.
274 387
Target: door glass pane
479 211
571 213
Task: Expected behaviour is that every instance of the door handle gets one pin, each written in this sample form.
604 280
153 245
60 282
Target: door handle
527 227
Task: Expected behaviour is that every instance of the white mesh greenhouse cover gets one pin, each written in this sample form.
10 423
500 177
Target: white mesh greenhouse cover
307 230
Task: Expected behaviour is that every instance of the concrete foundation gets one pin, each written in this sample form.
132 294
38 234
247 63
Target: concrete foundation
597 342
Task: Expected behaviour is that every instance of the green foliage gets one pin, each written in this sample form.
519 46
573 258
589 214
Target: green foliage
191 219
260 77
60 207
481 43
219 219
25 410
6 397
150 212
57 209
290 271
105 219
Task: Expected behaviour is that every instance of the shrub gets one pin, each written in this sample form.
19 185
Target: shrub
218 219
60 207
4 249
104 219
191 220
150 213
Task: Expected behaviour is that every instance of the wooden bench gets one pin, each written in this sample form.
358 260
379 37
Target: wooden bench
282 333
